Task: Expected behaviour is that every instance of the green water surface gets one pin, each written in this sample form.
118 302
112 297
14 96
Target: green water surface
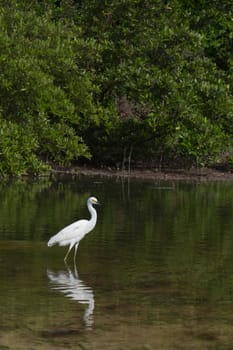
156 272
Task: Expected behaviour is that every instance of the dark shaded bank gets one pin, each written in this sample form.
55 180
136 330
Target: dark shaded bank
196 174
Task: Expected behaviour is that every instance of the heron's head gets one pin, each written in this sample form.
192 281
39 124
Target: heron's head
93 200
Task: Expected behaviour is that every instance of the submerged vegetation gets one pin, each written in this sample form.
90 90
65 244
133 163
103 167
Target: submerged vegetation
110 82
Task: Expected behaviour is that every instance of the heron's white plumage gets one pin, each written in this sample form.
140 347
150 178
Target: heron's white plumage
72 234
75 231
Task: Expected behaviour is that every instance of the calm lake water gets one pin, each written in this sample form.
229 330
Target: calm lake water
156 273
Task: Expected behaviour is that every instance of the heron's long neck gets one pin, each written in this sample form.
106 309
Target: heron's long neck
93 213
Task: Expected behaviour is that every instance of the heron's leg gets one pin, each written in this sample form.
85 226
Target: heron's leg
68 252
75 250
75 270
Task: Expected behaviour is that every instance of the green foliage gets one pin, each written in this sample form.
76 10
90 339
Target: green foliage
17 150
156 63
43 91
115 80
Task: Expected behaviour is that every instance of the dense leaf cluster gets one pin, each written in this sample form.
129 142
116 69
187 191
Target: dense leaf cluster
113 81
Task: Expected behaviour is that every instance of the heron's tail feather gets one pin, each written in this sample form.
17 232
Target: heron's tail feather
52 241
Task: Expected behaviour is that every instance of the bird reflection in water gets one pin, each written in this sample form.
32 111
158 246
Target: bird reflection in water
69 283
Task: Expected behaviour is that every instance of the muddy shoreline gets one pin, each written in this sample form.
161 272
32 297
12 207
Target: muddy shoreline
202 174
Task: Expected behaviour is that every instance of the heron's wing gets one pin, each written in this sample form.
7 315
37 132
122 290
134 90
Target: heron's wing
73 231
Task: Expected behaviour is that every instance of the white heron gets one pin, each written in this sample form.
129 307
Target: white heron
72 234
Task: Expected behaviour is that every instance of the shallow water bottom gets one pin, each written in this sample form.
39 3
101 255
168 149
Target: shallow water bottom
136 337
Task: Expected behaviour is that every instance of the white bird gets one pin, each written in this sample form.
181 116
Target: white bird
72 234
